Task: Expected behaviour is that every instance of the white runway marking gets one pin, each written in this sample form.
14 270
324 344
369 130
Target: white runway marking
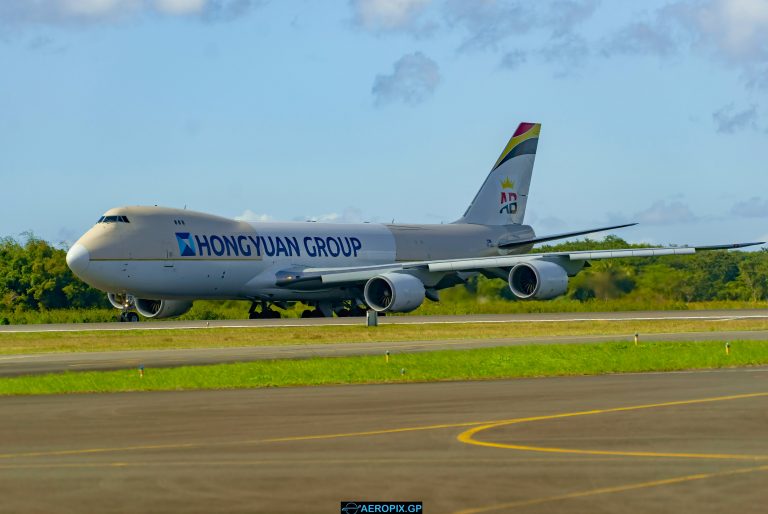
421 320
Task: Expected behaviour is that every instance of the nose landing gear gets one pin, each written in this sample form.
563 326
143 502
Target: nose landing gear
129 316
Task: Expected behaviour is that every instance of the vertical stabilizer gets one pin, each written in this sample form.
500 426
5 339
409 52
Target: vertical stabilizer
504 194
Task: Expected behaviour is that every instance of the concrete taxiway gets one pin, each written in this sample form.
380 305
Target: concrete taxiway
405 320
666 442
15 365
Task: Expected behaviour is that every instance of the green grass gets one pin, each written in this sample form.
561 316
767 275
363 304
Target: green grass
454 302
43 342
480 364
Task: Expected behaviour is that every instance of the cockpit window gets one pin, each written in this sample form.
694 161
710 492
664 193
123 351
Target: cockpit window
113 219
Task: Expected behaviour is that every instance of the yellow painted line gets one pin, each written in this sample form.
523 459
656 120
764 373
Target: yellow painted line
158 463
468 436
372 432
86 451
463 437
611 490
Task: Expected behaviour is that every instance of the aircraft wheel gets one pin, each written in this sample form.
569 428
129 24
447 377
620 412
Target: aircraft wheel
344 313
132 317
306 314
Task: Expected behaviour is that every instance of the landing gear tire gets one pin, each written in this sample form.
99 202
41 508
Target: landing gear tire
130 317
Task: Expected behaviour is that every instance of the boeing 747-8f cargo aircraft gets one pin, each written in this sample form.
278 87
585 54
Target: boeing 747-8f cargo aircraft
159 260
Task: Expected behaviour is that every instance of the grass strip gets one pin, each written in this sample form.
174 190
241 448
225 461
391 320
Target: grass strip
478 364
45 342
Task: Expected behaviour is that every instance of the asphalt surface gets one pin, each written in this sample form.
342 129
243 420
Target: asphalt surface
411 320
672 442
16 365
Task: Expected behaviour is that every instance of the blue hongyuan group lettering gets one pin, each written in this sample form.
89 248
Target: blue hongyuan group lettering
269 246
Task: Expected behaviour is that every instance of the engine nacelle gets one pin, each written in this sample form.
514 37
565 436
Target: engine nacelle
394 292
162 308
120 301
540 280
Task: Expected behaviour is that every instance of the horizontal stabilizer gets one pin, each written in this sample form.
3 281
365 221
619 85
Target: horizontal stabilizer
553 237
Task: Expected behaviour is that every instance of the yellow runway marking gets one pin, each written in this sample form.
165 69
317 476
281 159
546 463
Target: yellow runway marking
468 436
609 490
86 451
373 432
465 437
155 463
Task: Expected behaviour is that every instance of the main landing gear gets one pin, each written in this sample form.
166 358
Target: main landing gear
264 312
327 310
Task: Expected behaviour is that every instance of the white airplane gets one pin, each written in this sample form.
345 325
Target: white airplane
159 260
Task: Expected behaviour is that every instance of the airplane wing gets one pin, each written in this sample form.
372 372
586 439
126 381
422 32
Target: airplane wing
323 278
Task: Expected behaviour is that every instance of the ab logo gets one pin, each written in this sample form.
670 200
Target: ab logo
508 199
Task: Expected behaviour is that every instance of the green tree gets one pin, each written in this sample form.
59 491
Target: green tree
35 276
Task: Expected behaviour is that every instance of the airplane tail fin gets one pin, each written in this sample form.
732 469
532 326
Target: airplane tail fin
504 194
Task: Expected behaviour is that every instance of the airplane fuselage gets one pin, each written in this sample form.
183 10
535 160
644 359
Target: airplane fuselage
162 253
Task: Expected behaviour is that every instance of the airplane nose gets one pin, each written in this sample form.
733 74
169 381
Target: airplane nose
78 259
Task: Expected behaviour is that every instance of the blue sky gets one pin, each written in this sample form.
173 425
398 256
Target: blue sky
373 110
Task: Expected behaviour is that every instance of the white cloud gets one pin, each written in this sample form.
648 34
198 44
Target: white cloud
249 215
565 15
488 22
378 15
180 7
349 215
513 60
729 121
414 78
77 12
91 7
663 213
734 32
568 51
753 208
735 29
641 37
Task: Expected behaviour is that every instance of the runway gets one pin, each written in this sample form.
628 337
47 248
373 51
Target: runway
15 365
666 442
408 320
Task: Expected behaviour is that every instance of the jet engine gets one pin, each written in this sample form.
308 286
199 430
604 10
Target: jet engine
394 292
162 308
120 301
540 280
